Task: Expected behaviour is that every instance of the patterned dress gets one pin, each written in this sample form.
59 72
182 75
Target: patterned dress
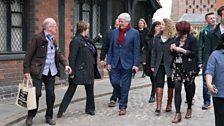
179 74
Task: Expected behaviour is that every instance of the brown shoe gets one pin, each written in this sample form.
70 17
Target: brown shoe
177 118
50 121
122 112
29 121
188 114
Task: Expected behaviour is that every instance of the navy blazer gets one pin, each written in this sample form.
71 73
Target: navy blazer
128 54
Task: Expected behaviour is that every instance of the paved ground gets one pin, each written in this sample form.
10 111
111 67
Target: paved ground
139 113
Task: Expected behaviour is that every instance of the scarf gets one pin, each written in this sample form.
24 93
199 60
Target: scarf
121 37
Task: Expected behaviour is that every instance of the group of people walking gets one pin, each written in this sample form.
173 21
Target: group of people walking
167 49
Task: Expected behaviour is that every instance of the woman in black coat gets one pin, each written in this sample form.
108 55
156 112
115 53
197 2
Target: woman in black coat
184 51
161 63
148 45
83 61
143 31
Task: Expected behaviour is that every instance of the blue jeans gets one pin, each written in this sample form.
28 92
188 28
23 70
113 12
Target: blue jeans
206 94
121 81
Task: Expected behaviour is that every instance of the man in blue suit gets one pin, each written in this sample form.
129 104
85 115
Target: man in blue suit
123 59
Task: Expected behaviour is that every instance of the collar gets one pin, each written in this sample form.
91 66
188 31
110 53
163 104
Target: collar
221 29
47 34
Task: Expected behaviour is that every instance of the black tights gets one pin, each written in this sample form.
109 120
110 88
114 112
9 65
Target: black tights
189 88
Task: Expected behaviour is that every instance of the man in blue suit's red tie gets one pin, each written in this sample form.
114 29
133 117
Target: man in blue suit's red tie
123 58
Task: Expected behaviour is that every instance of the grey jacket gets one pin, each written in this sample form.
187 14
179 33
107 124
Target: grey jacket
161 55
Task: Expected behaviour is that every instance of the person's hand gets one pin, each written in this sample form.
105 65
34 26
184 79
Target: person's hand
172 46
68 69
102 63
27 75
109 67
212 88
135 68
152 69
200 66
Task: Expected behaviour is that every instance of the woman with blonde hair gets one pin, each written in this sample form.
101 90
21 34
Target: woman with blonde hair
143 31
161 63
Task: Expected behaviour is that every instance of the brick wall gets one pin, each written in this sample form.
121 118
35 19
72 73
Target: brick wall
219 3
11 74
69 11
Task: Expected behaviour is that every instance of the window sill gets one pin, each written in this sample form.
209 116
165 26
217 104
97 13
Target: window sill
11 57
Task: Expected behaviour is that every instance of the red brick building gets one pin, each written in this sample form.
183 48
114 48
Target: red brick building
180 7
219 3
23 18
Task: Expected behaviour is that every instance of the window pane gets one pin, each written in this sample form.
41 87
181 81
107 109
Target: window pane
16 6
96 20
3 27
85 16
76 14
16 19
16 39
86 6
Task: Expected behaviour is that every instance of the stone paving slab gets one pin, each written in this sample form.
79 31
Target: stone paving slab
10 113
139 112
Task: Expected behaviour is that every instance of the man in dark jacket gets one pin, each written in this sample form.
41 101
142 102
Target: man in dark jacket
42 64
213 39
104 51
211 21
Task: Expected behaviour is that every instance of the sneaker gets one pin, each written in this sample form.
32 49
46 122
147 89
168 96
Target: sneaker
112 104
205 106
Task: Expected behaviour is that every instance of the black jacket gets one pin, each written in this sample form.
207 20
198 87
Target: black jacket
143 35
105 46
190 58
148 45
212 43
82 62
161 53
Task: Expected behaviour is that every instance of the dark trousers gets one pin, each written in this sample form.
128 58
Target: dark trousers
219 111
121 81
189 89
114 96
49 82
160 78
206 94
90 104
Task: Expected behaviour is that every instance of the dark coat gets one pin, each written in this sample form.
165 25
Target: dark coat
148 45
161 52
212 43
82 62
143 33
105 46
36 54
190 58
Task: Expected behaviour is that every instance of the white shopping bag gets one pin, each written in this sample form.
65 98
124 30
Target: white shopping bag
26 96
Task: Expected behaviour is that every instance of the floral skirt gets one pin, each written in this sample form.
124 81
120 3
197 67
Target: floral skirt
180 75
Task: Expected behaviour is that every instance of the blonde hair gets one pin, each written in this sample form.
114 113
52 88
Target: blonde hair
169 27
144 22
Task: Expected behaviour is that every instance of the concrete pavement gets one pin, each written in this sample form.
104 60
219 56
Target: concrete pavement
139 112
11 114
